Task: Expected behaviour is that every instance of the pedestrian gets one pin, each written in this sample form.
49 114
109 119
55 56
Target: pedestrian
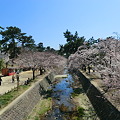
17 77
27 81
13 78
89 68
17 72
0 81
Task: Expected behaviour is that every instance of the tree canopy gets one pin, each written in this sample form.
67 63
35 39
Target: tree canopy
73 42
13 40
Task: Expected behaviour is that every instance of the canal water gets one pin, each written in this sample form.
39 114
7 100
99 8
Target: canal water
63 105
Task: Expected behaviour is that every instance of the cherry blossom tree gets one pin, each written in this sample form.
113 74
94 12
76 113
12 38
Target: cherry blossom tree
104 57
38 60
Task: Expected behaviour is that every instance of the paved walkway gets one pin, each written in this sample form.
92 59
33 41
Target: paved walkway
7 84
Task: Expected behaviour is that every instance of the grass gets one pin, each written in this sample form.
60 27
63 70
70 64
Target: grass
41 108
85 110
77 114
45 106
11 95
77 91
81 111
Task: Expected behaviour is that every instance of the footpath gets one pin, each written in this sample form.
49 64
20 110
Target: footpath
7 84
95 79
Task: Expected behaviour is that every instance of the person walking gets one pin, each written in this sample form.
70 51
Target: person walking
13 78
17 76
0 81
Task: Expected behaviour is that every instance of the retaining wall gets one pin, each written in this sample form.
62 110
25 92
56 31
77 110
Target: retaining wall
23 105
104 109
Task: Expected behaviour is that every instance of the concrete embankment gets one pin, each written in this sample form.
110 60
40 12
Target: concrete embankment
104 109
23 105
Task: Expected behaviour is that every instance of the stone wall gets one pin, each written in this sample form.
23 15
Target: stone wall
23 105
104 109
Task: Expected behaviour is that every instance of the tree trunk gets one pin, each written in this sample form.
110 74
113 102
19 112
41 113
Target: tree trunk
17 85
33 74
41 71
89 69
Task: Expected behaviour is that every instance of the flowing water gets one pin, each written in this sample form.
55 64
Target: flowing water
62 102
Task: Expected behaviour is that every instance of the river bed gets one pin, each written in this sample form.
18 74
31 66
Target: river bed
63 104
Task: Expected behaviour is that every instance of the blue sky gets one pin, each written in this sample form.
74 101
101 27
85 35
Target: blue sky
46 20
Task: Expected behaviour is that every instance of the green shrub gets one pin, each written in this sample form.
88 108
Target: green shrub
81 111
36 118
